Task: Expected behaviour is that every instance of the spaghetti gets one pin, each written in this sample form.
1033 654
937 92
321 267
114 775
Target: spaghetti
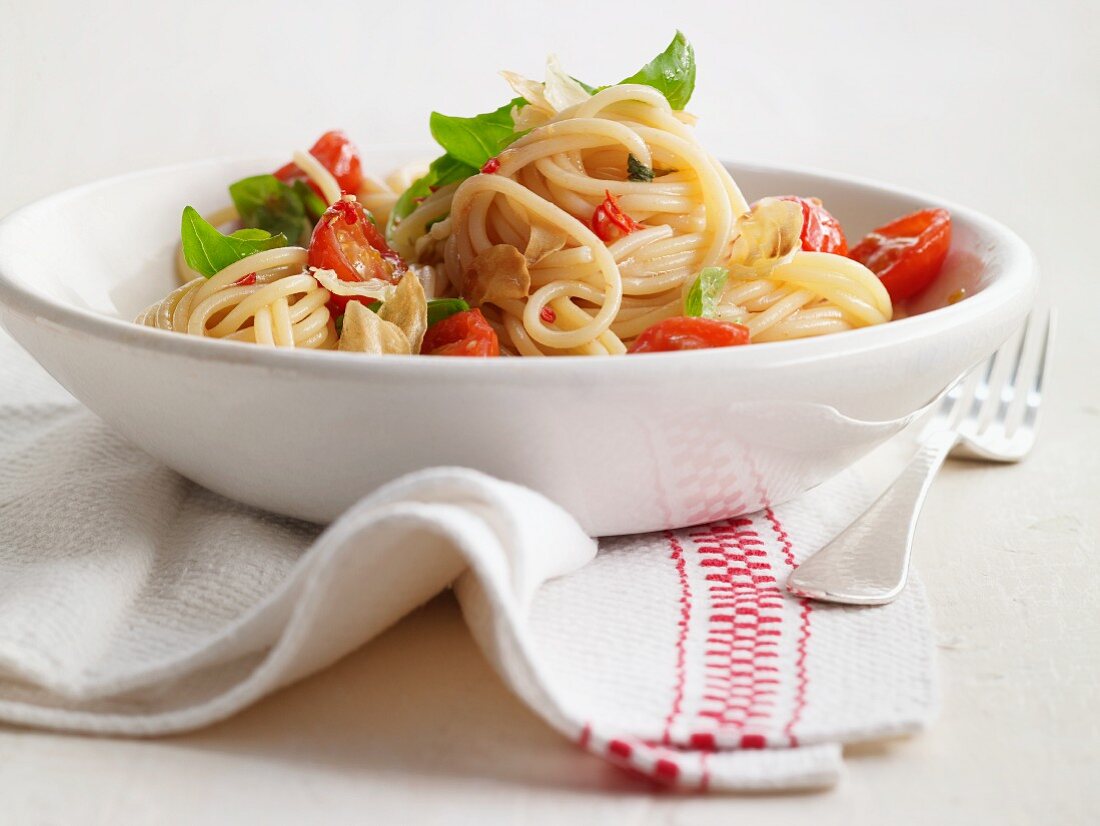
598 219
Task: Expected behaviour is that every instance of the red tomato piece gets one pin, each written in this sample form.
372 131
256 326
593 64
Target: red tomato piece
821 232
908 253
687 333
609 222
462 334
348 243
338 155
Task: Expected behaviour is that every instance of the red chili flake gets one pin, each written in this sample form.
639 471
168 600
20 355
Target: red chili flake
245 280
491 166
609 220
548 315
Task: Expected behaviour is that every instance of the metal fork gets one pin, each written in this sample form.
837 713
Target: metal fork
990 415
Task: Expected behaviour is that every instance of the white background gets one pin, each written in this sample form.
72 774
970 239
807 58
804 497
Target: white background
996 105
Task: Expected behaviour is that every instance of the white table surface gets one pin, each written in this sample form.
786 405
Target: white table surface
996 105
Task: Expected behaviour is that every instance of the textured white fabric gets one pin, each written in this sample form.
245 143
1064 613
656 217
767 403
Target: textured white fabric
134 602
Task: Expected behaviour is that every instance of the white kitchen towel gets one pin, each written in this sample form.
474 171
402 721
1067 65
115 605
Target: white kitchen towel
134 602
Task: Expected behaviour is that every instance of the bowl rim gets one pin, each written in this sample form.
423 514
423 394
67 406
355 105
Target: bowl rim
1019 274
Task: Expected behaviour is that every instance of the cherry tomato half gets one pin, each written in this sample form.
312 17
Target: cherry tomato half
609 222
338 155
462 334
821 232
908 253
686 333
347 242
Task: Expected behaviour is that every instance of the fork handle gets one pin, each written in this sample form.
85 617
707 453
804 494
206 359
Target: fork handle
868 563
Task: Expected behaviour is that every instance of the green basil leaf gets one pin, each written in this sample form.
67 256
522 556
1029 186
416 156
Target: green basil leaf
702 299
469 143
474 140
315 205
443 170
407 202
637 171
209 252
441 308
590 89
250 234
447 169
266 202
672 72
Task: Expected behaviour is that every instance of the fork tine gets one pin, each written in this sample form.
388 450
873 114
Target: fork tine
1020 350
1034 394
1010 389
981 390
1044 354
963 394
947 404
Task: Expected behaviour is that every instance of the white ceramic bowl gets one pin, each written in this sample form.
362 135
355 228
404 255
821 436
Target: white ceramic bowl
626 444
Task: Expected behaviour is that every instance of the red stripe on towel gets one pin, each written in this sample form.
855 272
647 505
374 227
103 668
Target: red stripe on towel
746 609
804 633
677 555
